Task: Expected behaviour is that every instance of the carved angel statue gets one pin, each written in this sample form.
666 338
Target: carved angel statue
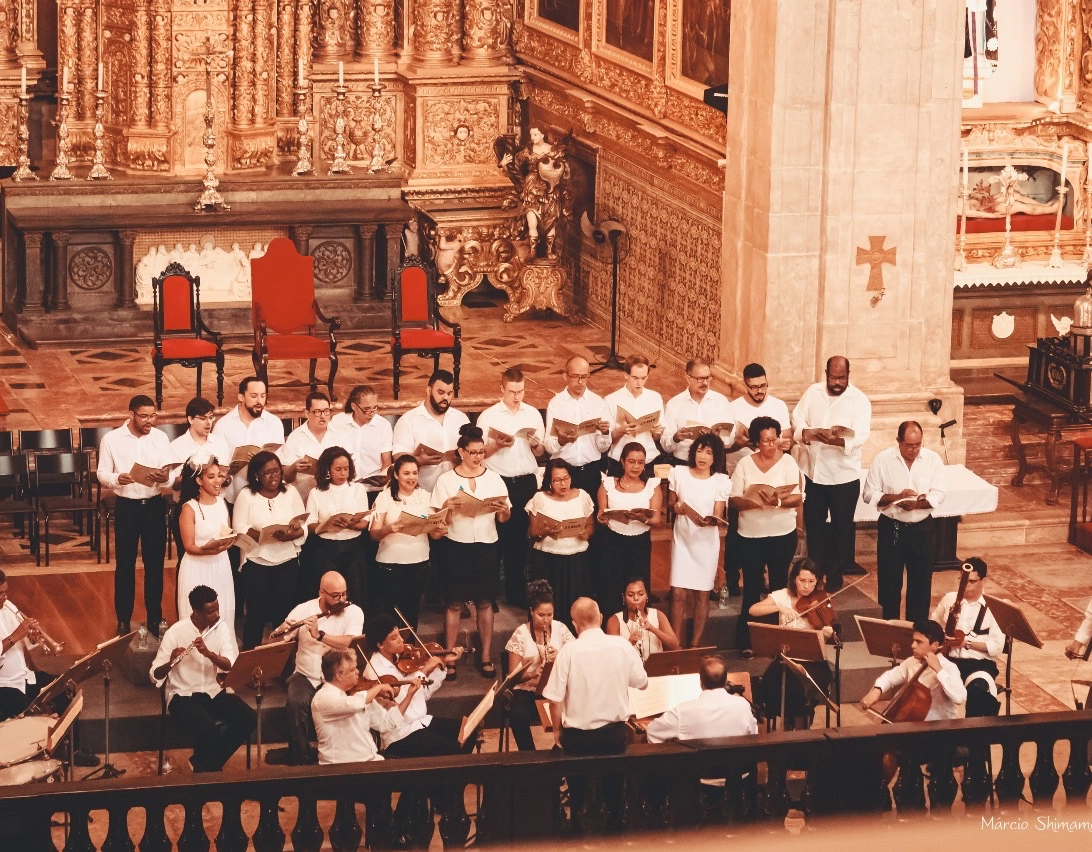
540 173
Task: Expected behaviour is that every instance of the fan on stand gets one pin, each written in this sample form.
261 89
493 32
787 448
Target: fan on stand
613 232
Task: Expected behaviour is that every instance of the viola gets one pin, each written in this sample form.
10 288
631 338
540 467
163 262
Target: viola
817 608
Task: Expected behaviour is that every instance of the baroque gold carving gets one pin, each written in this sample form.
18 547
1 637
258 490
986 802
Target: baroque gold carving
263 49
251 152
464 256
333 29
161 64
375 28
358 123
9 122
460 132
286 65
243 58
540 287
487 25
141 103
437 31
87 64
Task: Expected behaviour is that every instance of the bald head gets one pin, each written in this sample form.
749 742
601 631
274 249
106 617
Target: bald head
713 672
585 614
331 590
577 373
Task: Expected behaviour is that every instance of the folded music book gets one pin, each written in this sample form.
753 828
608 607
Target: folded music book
268 533
425 449
330 525
569 528
377 480
752 497
693 429
624 516
242 455
240 540
645 423
565 429
829 433
525 433
146 475
472 507
418 525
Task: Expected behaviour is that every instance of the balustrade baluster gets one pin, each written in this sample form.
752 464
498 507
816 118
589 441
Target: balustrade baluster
79 835
307 833
910 786
231 837
1044 777
117 834
976 778
345 831
155 837
194 838
942 784
1010 780
413 825
1077 777
378 819
777 791
270 836
455 822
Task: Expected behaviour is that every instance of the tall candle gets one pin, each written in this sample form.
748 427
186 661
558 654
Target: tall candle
100 76
64 81
23 81
965 168
1065 160
341 73
375 69
300 75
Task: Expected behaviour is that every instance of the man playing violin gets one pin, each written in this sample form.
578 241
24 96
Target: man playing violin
191 653
983 640
941 677
329 621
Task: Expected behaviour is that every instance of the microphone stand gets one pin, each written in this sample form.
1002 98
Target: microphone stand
613 362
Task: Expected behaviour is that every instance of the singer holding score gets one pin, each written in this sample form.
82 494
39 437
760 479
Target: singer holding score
191 653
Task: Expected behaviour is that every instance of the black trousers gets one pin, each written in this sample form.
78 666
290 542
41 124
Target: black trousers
609 739
439 738
618 557
143 523
513 538
521 716
269 591
297 704
13 701
980 701
400 585
588 477
219 726
831 544
909 546
757 556
346 556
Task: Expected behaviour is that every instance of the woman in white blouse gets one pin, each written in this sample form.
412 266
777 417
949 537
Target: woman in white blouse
478 499
647 629
402 561
535 642
626 542
767 522
271 570
337 509
202 523
560 560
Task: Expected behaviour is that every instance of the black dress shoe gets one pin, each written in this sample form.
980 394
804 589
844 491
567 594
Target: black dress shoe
85 758
747 654
122 628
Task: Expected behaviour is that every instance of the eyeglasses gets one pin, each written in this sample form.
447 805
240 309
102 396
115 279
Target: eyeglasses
762 386
373 410
337 596
583 377
700 378
480 452
321 412
267 473
558 480
208 418
147 418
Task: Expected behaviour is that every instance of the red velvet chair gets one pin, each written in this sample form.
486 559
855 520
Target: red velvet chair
284 313
416 321
181 336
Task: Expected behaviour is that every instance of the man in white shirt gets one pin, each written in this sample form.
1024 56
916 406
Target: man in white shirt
198 438
906 482
140 515
588 691
636 401
329 621
983 641
576 404
430 431
191 653
370 437
714 713
19 683
693 412
305 444
832 465
1080 642
514 456
941 677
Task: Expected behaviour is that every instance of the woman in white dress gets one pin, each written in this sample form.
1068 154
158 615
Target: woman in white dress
336 543
535 642
560 561
767 521
206 536
698 494
627 541
647 629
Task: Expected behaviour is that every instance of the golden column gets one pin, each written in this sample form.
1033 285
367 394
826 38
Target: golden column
87 64
27 32
161 64
375 29
142 57
285 72
66 42
243 64
8 28
333 34
487 26
264 67
304 12
437 31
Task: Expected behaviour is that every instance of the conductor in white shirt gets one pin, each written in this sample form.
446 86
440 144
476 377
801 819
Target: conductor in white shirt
714 713
191 653
906 482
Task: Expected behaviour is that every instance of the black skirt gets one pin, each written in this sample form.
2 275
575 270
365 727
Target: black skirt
565 574
471 572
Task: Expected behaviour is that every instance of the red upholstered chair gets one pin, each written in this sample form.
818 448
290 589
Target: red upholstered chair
416 321
181 336
284 313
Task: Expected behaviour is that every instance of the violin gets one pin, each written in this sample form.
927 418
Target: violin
366 683
817 609
414 657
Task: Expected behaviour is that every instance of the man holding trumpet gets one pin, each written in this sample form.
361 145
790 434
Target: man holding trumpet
19 683
191 654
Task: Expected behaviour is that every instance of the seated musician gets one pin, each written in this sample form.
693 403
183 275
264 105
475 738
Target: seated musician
788 604
324 628
715 713
191 653
983 642
535 642
1079 646
589 699
941 677
19 683
645 628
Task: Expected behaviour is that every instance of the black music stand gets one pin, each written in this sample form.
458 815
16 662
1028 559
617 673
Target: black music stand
252 670
889 639
792 647
473 721
685 661
1014 624
504 690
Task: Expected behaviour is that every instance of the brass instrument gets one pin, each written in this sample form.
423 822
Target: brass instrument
193 645
50 647
285 629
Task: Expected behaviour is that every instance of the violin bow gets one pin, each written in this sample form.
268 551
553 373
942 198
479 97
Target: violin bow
413 632
831 595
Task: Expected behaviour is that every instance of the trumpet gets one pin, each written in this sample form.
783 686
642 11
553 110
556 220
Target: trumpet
193 645
50 647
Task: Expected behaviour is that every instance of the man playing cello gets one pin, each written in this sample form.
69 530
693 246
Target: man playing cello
934 672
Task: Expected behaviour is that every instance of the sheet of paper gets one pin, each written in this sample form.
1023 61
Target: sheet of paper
663 693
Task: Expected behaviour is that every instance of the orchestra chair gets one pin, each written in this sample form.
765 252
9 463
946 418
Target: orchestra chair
34 441
285 314
416 321
7 443
164 720
14 495
105 502
180 334
68 473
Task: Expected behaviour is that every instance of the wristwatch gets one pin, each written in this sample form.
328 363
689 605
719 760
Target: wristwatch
321 635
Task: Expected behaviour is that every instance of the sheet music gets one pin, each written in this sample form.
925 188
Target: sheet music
663 693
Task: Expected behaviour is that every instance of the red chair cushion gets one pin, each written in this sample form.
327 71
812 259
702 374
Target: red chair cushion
176 302
189 347
289 346
283 285
426 338
414 284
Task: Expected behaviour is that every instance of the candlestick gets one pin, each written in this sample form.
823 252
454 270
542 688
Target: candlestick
23 82
100 77
64 81
303 157
23 172
339 166
375 71
60 168
210 198
1055 261
341 73
98 164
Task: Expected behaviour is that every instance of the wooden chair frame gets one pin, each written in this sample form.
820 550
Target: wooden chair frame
195 330
431 322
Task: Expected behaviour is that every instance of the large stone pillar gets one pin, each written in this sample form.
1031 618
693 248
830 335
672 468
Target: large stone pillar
843 138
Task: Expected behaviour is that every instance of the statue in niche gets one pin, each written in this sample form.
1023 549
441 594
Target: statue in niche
1040 198
240 287
147 269
540 173
411 240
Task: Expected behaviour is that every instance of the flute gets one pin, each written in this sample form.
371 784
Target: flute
288 627
193 645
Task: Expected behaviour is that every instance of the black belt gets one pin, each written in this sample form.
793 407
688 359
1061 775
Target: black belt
139 502
586 466
518 477
897 522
